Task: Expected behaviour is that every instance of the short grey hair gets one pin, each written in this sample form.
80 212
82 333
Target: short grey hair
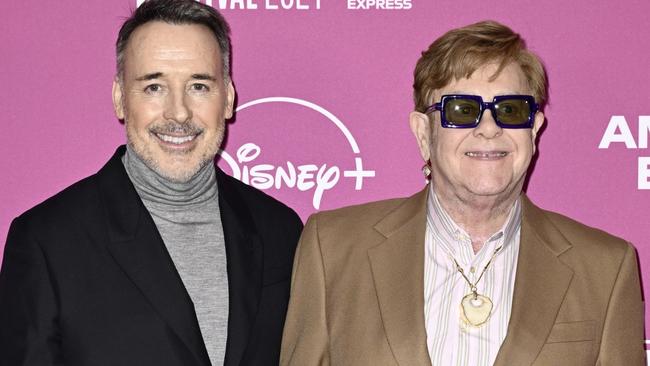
176 12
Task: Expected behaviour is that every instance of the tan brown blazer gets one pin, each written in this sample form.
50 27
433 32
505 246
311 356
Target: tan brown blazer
357 292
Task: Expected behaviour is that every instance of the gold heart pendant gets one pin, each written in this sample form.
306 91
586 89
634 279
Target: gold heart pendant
475 309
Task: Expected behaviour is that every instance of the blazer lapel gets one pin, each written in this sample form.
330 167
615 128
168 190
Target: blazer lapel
245 267
540 285
397 266
137 247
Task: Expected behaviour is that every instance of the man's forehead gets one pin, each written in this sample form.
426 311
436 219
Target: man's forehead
509 80
160 75
156 45
157 33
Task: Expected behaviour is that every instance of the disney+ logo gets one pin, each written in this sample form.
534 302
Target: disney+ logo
316 177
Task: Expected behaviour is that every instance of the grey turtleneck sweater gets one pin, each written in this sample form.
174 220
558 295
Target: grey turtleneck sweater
188 219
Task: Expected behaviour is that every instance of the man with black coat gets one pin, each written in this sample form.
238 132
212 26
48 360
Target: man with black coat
160 258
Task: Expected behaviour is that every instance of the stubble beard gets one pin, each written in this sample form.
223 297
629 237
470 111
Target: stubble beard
143 147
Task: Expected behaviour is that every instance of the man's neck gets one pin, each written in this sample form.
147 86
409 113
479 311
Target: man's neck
479 216
156 190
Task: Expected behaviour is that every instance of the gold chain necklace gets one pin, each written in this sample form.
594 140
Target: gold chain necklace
475 309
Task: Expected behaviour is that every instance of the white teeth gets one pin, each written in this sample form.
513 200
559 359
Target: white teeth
175 139
475 154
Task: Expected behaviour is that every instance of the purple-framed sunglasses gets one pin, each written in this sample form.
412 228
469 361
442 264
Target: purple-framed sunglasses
465 111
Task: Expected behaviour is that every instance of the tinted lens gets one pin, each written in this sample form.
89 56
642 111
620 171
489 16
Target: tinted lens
512 111
461 111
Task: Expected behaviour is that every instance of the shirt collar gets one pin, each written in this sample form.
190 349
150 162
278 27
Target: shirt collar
447 232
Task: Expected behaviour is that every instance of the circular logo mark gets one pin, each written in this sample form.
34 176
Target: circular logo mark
291 173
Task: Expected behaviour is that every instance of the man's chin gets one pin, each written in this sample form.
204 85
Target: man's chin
176 166
496 190
178 174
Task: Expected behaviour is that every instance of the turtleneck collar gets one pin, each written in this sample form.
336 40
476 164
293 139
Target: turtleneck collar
161 192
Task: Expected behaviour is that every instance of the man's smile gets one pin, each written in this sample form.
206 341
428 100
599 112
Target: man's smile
176 140
486 155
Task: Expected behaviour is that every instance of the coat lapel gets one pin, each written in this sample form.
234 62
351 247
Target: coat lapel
540 285
397 266
398 271
137 247
245 267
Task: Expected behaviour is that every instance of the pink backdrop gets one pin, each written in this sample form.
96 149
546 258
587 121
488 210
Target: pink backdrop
327 89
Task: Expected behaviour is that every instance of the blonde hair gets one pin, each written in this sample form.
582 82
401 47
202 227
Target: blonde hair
460 52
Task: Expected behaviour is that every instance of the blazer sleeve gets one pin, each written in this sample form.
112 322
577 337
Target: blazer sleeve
28 312
622 340
305 340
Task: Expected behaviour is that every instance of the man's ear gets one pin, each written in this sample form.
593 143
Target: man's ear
230 100
118 104
421 128
537 125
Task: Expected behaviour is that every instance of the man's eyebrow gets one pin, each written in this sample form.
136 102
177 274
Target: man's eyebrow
150 76
204 77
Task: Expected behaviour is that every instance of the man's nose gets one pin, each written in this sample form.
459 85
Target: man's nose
487 126
177 107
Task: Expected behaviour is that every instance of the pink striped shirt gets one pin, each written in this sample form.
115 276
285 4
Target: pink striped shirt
449 341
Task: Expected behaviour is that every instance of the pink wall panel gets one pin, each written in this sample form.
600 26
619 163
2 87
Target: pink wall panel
325 92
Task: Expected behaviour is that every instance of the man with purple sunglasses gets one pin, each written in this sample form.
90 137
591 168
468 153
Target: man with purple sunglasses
467 271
